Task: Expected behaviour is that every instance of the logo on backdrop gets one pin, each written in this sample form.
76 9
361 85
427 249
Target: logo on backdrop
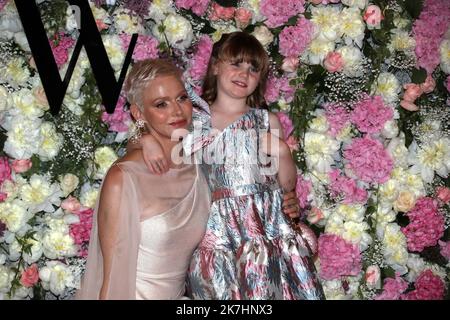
89 38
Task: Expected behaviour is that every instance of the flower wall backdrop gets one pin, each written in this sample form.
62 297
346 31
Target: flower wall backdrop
362 90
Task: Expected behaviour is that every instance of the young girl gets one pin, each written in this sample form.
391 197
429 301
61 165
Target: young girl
250 250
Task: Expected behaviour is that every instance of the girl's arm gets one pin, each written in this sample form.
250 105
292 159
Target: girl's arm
153 153
108 222
287 171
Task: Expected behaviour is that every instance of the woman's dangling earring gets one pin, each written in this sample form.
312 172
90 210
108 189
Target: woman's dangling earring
138 130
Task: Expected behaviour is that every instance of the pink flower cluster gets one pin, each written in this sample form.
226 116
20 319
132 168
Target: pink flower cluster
277 87
221 13
278 12
341 185
303 189
199 64
197 6
294 40
426 225
370 114
368 160
286 124
428 31
337 117
60 46
81 231
119 119
428 286
5 170
146 47
338 257
392 288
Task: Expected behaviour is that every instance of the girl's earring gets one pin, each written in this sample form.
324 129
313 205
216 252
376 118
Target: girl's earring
138 130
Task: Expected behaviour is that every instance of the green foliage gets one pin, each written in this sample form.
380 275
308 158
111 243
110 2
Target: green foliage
413 7
419 75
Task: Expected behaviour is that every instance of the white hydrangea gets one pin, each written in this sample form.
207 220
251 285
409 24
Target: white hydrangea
320 151
56 277
14 214
41 195
387 86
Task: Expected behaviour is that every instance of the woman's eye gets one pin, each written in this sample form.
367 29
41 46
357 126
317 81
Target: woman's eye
161 104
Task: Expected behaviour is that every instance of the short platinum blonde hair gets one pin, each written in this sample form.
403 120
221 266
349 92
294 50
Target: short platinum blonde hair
142 73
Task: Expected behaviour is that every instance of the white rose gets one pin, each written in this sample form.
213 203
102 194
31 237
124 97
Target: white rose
319 124
351 212
88 196
15 72
387 86
318 50
23 138
178 31
320 150
57 244
115 52
51 142
352 57
126 22
69 182
40 194
352 26
6 277
355 232
36 250
444 50
263 34
21 39
3 99
104 157
14 214
390 129
361 4
22 102
56 277
159 9
401 41
327 22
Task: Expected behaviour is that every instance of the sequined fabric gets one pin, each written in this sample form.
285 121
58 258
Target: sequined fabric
249 250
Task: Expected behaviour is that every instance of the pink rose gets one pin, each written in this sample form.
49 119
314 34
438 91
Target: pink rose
5 170
221 13
412 92
290 64
101 25
315 215
333 62
3 196
243 17
21 165
372 276
71 204
443 194
30 276
373 16
429 84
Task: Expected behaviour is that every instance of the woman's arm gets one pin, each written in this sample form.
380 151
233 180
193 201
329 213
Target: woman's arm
108 222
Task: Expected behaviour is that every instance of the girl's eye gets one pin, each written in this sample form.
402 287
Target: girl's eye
253 69
183 98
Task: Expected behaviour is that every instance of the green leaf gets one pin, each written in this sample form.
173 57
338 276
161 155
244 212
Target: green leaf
419 76
227 3
414 7
389 272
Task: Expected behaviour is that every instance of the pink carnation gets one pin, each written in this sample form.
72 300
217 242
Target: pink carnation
146 47
428 31
368 160
392 288
303 189
81 231
5 170
426 225
277 87
370 114
286 124
338 257
118 120
197 6
60 46
294 40
341 185
445 249
337 117
278 12
199 64
428 286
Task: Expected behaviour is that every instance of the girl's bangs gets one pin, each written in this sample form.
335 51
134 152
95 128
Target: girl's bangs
247 51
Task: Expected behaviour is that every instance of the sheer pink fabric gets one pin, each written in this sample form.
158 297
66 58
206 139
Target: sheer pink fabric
161 221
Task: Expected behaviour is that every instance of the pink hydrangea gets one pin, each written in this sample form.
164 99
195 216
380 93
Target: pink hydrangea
5 170
286 124
303 189
426 225
370 114
392 288
118 121
199 64
60 45
341 185
428 31
146 47
278 87
428 286
278 12
338 118
338 257
368 160
197 6
445 249
294 40
80 232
